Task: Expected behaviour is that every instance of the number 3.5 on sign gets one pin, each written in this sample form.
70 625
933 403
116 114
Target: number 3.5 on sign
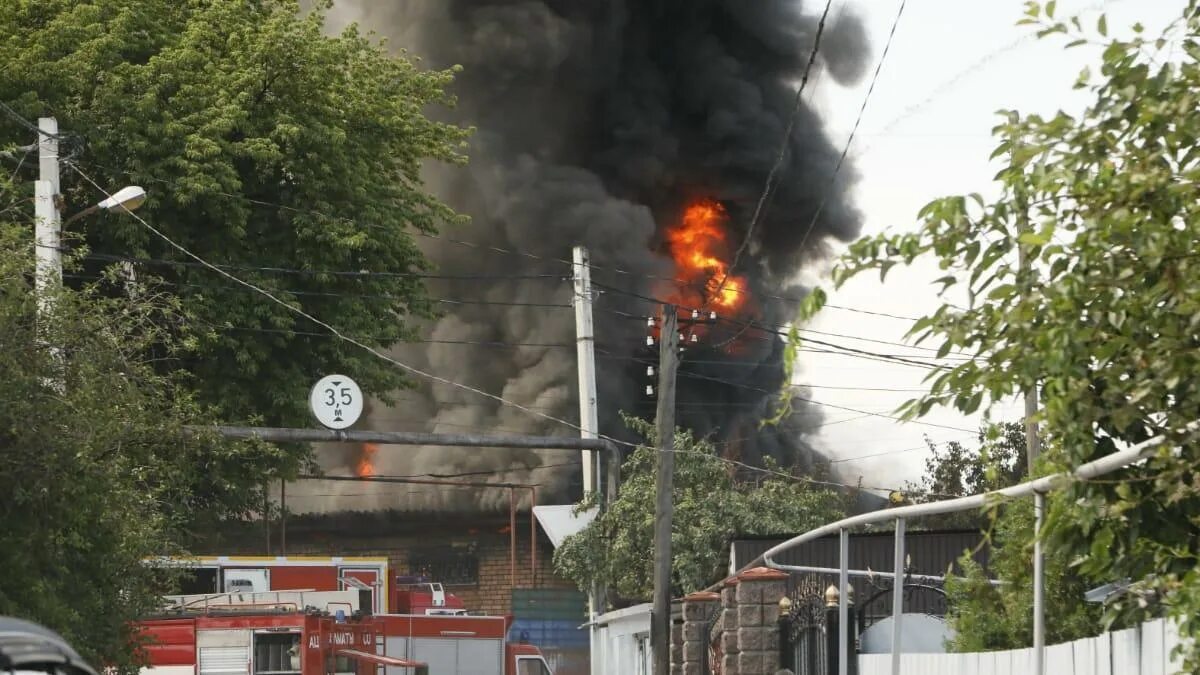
336 401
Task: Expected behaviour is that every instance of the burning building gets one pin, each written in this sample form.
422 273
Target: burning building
644 130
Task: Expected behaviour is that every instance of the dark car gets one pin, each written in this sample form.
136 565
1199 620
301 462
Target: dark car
29 648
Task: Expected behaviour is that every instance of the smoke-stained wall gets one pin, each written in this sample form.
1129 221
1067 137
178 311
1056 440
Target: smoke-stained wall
597 122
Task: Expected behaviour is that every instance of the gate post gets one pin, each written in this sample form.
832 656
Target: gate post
729 627
758 594
786 654
699 610
676 646
833 630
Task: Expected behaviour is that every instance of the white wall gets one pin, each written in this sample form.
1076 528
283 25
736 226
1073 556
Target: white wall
1136 651
623 642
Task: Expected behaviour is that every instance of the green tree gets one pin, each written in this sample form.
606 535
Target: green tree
958 471
711 508
984 616
98 471
263 143
987 617
1104 320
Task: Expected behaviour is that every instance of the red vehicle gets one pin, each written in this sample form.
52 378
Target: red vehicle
418 595
459 645
325 633
258 642
257 574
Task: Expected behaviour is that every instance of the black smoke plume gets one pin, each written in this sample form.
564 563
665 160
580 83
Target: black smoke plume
597 122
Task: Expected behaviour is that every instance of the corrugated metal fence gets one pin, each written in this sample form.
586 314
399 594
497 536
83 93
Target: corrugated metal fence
1145 650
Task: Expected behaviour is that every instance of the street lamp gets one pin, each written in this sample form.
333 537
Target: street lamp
124 200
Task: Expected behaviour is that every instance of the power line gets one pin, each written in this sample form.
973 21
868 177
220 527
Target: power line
504 344
857 120
872 313
336 273
844 350
886 453
330 294
491 248
852 351
26 123
765 196
698 376
782 330
361 345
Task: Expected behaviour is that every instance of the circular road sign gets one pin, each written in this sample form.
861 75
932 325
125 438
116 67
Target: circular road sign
336 401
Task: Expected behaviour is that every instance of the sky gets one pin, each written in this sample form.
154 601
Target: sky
926 133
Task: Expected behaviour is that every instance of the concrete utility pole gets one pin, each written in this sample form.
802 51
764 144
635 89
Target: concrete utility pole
585 350
668 359
48 228
589 420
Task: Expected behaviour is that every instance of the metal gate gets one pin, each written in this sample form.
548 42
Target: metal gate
803 633
808 630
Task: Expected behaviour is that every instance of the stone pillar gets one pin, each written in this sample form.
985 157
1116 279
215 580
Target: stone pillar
729 628
699 609
758 594
676 639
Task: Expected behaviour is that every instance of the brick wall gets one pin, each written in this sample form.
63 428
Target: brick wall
396 535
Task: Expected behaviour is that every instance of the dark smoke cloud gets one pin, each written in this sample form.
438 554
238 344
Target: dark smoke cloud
597 122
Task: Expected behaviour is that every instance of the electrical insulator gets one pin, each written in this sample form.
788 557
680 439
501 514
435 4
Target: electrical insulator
712 316
695 314
681 337
650 321
649 341
649 390
695 338
649 371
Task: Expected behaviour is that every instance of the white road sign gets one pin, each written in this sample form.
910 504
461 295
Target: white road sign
336 401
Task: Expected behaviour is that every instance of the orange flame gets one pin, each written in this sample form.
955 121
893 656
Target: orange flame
366 460
698 245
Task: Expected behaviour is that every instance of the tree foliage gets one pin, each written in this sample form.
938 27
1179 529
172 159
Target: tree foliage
711 508
985 617
1106 319
265 145
958 471
97 469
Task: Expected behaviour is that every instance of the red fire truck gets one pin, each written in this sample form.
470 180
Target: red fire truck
252 574
458 645
325 633
266 639
257 574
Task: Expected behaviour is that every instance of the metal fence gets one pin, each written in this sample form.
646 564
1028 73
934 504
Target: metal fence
1145 650
1036 488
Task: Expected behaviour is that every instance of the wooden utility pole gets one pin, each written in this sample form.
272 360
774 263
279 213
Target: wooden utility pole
668 359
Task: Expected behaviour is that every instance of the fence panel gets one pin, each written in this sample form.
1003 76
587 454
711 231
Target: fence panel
1152 661
1145 650
1171 639
1102 655
1126 651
